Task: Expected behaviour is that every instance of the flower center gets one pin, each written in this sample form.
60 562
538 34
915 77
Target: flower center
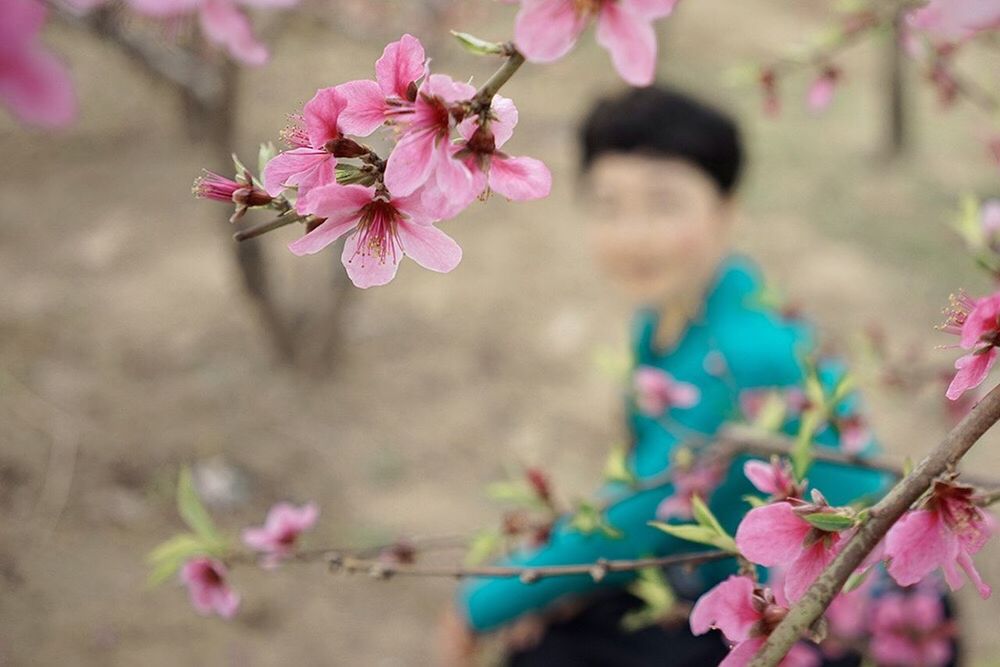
377 230
588 7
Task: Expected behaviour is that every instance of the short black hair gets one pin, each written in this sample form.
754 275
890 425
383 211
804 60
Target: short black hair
662 122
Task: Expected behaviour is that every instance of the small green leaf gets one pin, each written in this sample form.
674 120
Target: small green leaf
704 516
616 469
483 546
830 522
658 597
802 451
699 534
855 581
192 511
588 520
754 501
477 46
516 493
169 556
771 416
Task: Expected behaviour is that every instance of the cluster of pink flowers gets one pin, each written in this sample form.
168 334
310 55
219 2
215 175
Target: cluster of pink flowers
656 391
207 579
34 85
799 539
698 479
448 153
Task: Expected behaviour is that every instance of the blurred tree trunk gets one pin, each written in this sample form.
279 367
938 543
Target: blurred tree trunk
897 135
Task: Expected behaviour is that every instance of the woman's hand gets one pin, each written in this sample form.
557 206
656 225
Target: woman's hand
456 641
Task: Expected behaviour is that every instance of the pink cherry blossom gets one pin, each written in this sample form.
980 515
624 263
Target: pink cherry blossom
208 590
746 614
855 435
278 536
955 20
391 97
700 479
34 85
820 94
977 323
945 533
656 391
774 478
777 534
222 22
312 162
546 30
383 228
911 630
492 170
424 150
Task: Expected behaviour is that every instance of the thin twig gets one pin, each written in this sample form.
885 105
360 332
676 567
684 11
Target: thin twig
804 614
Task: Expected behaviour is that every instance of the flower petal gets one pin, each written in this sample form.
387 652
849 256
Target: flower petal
366 107
410 163
401 64
520 178
224 24
772 534
366 271
631 41
972 370
546 30
37 88
728 607
429 247
305 168
916 545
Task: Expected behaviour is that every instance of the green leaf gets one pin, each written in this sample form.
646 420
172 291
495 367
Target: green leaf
265 154
658 597
169 556
483 546
754 501
829 521
477 46
192 511
588 520
699 534
616 468
704 516
844 387
516 492
855 581
771 416
802 451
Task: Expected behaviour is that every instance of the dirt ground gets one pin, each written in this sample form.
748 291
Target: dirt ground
128 349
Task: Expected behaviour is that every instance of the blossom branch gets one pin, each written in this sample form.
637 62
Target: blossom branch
493 85
882 517
597 570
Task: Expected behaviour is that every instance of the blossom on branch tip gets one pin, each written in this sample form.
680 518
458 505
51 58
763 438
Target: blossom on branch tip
656 391
774 478
977 323
945 533
315 137
34 85
700 479
391 97
546 30
281 530
382 229
423 154
243 192
222 21
208 589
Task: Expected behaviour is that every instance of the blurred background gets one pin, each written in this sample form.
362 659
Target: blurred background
129 346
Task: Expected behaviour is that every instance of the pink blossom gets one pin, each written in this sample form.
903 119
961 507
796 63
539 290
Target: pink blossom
746 614
546 30
243 192
700 479
208 590
656 391
955 20
315 136
820 94
383 228
222 22
944 534
855 435
977 323
777 534
424 150
492 170
34 85
391 97
774 478
278 536
911 630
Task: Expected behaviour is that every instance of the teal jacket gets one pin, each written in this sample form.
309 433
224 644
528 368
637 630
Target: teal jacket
759 349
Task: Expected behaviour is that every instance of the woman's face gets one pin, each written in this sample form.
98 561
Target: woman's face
659 226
